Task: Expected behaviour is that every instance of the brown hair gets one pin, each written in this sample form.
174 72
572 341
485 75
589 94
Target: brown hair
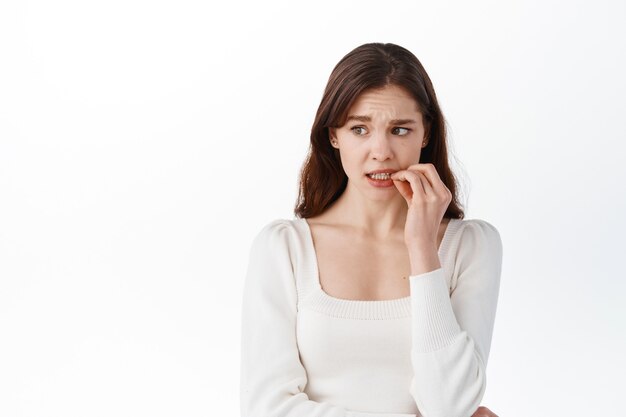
369 66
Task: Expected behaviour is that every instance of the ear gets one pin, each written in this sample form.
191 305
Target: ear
332 137
426 134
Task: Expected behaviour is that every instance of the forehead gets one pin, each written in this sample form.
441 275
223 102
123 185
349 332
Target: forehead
390 100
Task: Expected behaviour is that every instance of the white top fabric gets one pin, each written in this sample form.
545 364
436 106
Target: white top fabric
305 353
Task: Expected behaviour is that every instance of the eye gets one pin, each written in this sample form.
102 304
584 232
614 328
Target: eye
401 131
358 130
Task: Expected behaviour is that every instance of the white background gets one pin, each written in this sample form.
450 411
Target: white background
143 144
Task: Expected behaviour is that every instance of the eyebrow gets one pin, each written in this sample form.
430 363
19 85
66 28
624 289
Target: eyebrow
369 119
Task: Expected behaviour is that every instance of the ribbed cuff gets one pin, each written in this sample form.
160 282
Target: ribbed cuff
433 322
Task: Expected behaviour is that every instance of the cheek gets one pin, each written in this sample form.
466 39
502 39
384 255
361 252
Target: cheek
347 163
351 162
409 155
409 146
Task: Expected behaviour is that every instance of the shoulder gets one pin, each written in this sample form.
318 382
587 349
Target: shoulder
278 227
276 233
476 252
478 234
479 227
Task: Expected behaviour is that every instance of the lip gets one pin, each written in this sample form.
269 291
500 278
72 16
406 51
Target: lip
380 183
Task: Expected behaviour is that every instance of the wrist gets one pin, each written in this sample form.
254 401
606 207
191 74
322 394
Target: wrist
421 246
423 260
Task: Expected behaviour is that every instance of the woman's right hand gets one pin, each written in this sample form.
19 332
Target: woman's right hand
484 412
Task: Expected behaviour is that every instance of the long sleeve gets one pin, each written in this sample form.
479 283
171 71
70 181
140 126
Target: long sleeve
451 332
272 375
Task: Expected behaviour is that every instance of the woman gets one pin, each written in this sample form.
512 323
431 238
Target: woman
377 299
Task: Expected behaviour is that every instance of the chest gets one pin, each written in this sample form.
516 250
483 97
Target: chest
354 269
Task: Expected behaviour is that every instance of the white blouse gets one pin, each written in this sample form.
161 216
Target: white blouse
308 354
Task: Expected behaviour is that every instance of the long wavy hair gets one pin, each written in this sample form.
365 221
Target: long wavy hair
369 66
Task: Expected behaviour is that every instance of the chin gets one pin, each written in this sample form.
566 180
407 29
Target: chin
381 194
375 193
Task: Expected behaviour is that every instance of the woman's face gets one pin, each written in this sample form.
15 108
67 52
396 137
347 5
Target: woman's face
384 131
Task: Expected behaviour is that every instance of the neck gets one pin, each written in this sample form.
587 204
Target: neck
376 218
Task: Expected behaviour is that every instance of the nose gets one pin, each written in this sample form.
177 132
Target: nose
381 147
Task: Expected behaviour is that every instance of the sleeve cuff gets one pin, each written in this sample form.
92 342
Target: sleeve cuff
434 325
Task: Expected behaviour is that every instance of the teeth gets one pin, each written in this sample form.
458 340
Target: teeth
383 176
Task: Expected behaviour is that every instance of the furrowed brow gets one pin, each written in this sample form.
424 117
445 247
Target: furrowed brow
402 121
359 118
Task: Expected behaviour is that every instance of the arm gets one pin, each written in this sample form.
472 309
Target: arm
452 332
272 376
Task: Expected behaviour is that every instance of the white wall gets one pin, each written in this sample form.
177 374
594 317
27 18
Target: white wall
144 143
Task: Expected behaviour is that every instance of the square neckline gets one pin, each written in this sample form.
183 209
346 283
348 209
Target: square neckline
441 251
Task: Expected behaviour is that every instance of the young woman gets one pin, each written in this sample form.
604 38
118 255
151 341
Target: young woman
377 298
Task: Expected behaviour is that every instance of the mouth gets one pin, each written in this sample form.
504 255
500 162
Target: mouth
380 176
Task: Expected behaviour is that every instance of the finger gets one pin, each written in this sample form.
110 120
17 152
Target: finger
405 189
430 172
483 411
413 178
426 187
